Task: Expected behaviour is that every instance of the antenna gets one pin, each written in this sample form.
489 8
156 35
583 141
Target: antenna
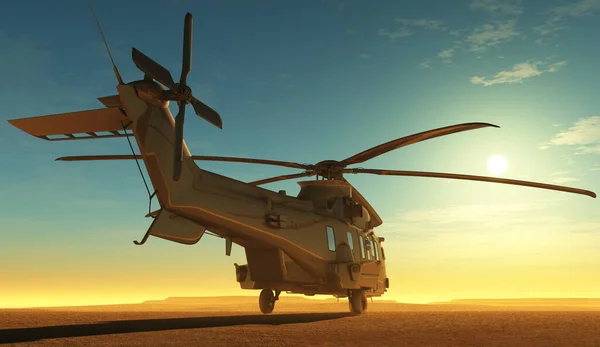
107 49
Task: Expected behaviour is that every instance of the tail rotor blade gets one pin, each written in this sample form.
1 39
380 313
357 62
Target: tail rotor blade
178 159
206 112
152 68
187 49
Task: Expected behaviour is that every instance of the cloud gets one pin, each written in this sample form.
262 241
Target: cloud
425 64
491 34
468 213
447 53
484 219
407 27
561 180
422 23
556 16
496 7
585 134
518 73
365 56
393 35
577 9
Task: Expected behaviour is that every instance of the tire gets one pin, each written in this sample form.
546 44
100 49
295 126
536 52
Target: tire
266 301
357 301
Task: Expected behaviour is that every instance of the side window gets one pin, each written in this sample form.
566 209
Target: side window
350 240
382 253
376 249
330 238
362 247
369 251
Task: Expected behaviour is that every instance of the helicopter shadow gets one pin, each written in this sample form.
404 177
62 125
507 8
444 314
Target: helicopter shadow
148 325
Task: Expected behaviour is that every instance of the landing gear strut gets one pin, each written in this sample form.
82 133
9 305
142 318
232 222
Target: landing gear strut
357 301
266 300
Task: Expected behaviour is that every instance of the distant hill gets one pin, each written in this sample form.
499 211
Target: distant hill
583 302
297 303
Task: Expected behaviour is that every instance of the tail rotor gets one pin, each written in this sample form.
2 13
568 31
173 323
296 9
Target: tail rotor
179 92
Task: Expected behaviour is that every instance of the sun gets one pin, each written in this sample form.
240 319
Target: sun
497 164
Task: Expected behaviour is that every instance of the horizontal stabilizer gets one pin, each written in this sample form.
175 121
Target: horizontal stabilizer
110 101
171 227
86 124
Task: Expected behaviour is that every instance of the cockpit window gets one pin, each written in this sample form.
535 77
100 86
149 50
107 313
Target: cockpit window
362 247
330 238
350 240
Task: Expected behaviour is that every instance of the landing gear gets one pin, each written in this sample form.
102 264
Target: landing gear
357 301
266 300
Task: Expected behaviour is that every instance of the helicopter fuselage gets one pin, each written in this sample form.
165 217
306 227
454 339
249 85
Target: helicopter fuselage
317 243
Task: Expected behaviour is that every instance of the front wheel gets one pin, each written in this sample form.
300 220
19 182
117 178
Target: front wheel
357 301
266 301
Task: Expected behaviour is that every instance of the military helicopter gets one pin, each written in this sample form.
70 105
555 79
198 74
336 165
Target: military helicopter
319 242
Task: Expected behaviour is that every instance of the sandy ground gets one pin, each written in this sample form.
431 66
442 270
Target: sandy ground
298 323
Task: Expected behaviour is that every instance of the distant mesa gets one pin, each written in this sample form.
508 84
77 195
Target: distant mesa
583 302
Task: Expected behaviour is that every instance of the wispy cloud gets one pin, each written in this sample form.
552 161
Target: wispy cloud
398 33
491 34
562 180
585 134
468 213
518 73
407 27
365 56
556 16
425 64
496 7
426 224
421 23
447 53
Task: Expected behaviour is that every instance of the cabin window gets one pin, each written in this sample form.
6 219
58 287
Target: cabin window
375 249
382 253
369 249
350 240
331 238
362 247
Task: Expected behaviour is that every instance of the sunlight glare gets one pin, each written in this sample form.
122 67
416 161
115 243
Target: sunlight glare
497 164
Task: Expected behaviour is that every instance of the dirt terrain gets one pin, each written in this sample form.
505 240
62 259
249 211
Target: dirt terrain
235 321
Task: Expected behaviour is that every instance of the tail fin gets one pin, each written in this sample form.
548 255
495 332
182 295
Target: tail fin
86 124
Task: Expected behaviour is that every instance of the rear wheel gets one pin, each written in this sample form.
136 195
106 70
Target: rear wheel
266 301
357 301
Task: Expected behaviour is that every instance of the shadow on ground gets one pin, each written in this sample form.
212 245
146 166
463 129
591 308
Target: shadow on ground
144 325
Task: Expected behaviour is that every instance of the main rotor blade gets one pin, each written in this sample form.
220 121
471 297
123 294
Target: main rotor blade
473 178
254 161
194 157
152 68
282 178
187 49
206 112
178 159
99 157
408 140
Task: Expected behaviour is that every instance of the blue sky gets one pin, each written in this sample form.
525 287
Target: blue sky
309 81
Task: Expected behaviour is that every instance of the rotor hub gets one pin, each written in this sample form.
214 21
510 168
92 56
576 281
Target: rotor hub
183 93
330 169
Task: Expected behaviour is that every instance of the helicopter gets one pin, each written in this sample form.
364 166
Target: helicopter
320 242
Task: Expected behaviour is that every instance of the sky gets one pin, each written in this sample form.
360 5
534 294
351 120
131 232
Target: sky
309 81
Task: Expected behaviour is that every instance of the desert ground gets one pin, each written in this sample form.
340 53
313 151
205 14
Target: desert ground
296 321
